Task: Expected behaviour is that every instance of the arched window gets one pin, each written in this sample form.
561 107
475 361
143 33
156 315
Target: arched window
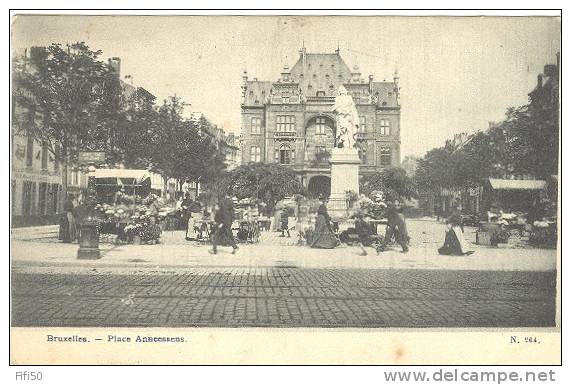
285 154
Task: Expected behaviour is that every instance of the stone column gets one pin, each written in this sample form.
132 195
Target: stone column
344 177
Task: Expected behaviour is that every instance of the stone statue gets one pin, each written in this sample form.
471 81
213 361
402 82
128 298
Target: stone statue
347 119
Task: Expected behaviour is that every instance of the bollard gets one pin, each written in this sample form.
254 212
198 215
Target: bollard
89 240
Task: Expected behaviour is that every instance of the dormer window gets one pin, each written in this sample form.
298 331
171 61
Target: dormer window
320 93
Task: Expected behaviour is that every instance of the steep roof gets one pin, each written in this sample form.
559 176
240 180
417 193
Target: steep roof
257 91
386 93
320 72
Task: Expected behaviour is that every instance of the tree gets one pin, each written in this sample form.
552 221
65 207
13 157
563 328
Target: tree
268 182
183 149
76 95
393 181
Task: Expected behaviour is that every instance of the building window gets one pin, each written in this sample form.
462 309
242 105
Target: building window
320 125
255 154
286 155
320 93
56 158
13 195
362 123
26 198
385 127
29 151
44 156
256 125
42 198
385 156
285 99
363 155
285 123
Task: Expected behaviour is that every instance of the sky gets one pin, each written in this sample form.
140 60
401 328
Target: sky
456 73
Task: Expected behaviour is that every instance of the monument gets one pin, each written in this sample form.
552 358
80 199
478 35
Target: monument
344 157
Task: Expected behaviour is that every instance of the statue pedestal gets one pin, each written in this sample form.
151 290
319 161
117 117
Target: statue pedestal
344 177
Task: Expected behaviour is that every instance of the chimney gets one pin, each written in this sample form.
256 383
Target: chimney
370 84
115 64
355 75
244 86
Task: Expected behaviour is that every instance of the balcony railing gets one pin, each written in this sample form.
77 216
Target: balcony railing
360 135
284 134
321 99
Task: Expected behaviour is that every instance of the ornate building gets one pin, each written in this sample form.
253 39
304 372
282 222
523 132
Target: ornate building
290 121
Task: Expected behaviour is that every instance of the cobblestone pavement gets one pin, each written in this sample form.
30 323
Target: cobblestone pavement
285 297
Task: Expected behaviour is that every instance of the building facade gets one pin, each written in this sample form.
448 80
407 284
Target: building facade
290 121
36 172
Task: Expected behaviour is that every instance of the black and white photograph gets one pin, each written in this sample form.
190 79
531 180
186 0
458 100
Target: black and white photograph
295 173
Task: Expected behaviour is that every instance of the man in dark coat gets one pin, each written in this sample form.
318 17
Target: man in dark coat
223 234
396 227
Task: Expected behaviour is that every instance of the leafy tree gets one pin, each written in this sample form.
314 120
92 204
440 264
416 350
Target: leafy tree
77 97
183 149
268 182
392 181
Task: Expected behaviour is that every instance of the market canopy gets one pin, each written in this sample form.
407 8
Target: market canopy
517 184
122 176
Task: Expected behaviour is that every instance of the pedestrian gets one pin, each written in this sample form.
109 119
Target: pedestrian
284 219
396 227
223 233
454 241
323 236
68 208
363 230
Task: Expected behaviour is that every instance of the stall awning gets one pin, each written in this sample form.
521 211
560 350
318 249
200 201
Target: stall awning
517 184
121 177
138 175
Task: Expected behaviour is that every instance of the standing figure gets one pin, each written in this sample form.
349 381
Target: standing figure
454 242
223 233
323 236
69 209
284 219
347 119
396 227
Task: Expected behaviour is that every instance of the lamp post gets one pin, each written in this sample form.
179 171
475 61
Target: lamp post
89 233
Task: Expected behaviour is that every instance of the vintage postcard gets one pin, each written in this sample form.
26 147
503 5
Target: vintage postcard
285 189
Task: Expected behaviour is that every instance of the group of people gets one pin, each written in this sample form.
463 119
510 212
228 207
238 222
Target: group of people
324 237
70 223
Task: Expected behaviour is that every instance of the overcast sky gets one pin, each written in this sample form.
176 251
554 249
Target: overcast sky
456 73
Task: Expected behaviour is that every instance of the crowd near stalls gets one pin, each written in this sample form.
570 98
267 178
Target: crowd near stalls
519 212
128 211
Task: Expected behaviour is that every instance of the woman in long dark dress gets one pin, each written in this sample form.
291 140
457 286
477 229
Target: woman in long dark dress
323 236
223 234
454 242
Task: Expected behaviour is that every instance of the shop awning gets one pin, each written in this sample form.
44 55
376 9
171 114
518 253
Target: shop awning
121 177
517 184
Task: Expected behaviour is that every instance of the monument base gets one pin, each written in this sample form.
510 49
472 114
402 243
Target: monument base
88 253
344 177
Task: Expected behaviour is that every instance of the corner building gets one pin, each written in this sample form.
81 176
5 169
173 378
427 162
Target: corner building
291 121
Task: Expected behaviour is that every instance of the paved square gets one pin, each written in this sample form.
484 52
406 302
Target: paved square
275 283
